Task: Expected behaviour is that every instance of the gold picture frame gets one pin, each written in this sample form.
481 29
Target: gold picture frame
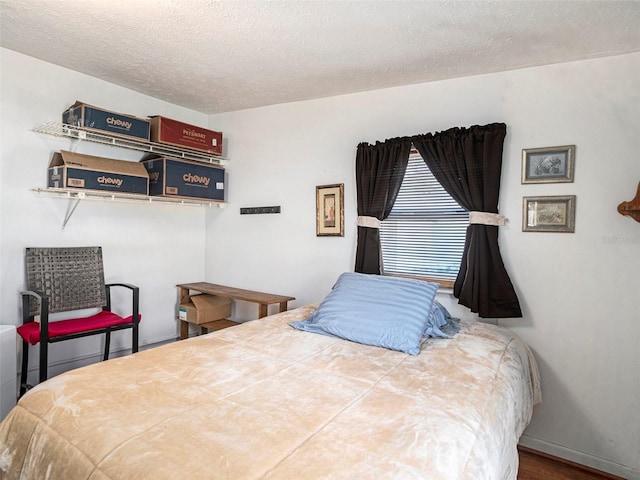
330 210
549 214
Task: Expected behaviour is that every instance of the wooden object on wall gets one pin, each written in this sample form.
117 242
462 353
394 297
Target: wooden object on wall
631 208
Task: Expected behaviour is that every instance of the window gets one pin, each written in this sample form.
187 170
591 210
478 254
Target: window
424 234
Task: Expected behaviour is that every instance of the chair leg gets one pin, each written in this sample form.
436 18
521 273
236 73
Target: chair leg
135 339
25 366
44 361
107 342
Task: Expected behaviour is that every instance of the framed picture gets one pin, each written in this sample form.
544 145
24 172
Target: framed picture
549 214
330 210
548 165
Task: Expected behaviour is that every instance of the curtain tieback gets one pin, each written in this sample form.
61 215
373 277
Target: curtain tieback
486 218
371 222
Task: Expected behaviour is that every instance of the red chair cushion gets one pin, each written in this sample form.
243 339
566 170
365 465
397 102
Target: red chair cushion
31 331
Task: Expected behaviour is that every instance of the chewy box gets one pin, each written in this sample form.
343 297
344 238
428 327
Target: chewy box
174 177
74 170
204 308
173 132
82 115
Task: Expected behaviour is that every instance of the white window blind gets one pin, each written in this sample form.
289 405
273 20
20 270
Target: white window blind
425 232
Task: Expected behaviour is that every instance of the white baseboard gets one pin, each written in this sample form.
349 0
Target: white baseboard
598 463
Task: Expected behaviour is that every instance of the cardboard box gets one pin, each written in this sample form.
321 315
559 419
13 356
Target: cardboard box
175 177
74 170
93 118
173 132
204 308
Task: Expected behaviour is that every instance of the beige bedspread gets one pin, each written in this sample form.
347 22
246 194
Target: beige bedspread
263 400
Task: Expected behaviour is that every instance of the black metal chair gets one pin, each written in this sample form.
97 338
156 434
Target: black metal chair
64 280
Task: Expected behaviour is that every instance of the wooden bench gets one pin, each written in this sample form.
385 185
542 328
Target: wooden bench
261 298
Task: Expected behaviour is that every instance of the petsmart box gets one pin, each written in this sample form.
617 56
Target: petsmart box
75 170
174 177
82 115
173 132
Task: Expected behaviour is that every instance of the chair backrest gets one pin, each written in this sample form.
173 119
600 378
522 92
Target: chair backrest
72 278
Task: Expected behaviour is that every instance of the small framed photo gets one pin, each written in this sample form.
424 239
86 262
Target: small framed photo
549 214
548 165
330 210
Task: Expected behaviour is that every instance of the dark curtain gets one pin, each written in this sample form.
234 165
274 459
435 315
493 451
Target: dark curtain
467 162
380 169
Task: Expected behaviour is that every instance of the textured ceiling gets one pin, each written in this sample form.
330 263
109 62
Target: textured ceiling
217 56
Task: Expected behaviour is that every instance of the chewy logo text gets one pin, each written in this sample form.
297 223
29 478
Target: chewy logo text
189 178
110 181
116 122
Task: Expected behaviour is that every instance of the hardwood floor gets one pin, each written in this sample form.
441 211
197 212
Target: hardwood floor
536 465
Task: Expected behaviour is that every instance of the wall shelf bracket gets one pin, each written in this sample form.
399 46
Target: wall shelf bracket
73 204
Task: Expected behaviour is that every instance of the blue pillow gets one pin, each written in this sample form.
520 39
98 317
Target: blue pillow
440 323
387 312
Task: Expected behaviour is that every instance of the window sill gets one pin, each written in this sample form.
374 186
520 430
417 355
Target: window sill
446 286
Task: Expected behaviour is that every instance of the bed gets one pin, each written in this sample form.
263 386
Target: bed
264 400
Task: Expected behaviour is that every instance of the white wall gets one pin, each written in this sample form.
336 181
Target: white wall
152 246
578 291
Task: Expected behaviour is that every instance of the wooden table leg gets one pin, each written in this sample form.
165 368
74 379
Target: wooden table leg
283 307
263 310
184 329
184 326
